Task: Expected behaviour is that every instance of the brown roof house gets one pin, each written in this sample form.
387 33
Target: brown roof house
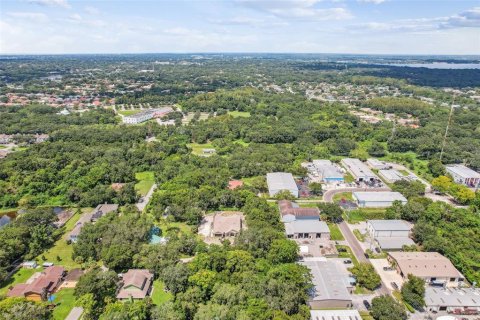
41 287
430 266
227 223
72 278
290 211
137 284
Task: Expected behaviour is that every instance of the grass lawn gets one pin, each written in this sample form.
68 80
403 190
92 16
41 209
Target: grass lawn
145 181
158 295
61 248
22 275
128 112
344 195
398 295
348 254
359 235
197 148
365 315
363 214
3 147
349 178
180 226
335 233
64 301
361 290
237 114
241 142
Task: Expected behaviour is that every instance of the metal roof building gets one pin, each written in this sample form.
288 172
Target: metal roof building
390 234
452 300
331 287
381 199
327 171
335 315
280 181
307 229
464 175
359 170
377 164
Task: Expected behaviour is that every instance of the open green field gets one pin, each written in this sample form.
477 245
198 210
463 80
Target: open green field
159 296
363 214
349 254
239 114
165 226
197 148
344 195
22 275
335 233
145 180
128 112
61 249
64 301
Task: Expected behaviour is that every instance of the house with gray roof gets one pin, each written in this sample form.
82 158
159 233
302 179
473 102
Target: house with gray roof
307 229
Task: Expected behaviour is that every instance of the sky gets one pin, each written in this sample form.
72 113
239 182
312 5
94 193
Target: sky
303 26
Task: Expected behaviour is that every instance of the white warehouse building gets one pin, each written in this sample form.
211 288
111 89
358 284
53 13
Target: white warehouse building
327 171
280 181
464 175
359 170
381 199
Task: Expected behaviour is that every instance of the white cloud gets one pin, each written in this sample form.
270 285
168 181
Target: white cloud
32 16
78 19
51 3
91 10
372 1
297 9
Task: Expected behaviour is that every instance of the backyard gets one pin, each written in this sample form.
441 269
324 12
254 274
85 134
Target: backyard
363 214
197 148
145 180
159 295
22 275
64 301
239 114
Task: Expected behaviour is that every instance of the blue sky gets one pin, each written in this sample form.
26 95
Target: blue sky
322 26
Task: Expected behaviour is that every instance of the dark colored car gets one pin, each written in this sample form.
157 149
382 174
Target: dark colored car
347 261
366 304
394 285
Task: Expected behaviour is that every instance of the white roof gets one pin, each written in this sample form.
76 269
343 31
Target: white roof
281 181
392 243
390 225
327 170
452 297
463 171
329 282
335 315
381 196
358 168
391 174
306 226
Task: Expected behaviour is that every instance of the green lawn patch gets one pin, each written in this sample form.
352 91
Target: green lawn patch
361 290
64 302
343 196
181 227
239 114
61 249
349 178
128 112
365 315
159 296
197 148
3 147
346 252
145 180
22 275
398 295
335 233
363 214
359 235
241 142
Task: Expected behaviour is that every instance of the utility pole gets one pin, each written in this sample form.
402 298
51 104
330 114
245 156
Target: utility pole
446 129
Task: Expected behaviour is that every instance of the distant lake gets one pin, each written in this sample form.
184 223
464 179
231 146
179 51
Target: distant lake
438 65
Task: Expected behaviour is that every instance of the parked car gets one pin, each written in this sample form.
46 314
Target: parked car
387 269
394 285
366 304
348 261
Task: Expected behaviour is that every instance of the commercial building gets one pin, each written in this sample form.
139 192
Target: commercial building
290 211
281 181
390 234
434 268
465 301
359 171
307 229
332 288
381 199
464 175
137 284
327 172
146 115
335 315
377 164
392 175
227 224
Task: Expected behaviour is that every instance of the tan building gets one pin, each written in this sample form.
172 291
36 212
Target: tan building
137 284
227 223
431 266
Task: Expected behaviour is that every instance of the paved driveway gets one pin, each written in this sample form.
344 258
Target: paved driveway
387 276
146 199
